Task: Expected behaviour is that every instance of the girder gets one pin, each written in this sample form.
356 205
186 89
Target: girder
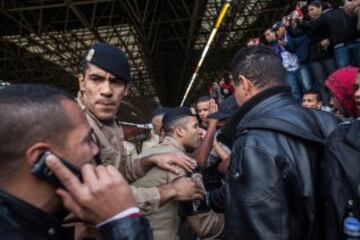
43 41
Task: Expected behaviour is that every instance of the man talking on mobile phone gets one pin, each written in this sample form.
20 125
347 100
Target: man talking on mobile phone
35 119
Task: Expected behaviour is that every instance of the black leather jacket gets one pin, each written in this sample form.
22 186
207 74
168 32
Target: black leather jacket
272 188
20 221
340 26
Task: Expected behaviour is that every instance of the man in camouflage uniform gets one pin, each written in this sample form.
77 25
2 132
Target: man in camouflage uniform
104 81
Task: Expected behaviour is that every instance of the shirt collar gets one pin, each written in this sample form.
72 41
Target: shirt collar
173 142
155 137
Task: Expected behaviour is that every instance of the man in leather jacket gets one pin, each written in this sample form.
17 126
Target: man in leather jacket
38 119
272 189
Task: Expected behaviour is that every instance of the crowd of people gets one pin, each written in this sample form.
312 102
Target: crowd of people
253 160
313 41
222 89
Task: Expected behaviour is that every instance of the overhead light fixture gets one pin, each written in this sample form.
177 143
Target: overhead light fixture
219 19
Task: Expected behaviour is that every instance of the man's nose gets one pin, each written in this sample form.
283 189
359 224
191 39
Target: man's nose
106 89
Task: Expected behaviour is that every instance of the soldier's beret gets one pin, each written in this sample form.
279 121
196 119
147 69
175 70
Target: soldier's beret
109 58
172 114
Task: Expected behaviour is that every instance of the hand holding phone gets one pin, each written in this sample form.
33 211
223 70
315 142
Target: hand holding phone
41 170
102 194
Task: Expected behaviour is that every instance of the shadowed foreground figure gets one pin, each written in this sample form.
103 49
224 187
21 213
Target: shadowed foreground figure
35 119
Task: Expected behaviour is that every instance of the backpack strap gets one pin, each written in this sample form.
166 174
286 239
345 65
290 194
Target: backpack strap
347 157
327 127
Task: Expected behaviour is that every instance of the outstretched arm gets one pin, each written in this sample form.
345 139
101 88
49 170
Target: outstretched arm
201 154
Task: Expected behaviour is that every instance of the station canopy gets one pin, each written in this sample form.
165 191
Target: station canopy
43 41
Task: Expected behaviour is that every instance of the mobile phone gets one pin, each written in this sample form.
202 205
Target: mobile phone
41 170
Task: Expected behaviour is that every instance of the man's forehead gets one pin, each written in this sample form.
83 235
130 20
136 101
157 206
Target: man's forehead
203 103
310 95
93 69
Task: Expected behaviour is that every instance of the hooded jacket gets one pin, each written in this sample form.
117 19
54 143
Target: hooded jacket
341 85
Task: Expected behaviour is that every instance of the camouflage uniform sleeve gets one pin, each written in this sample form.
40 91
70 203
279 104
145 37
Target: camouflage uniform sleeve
209 225
131 168
147 199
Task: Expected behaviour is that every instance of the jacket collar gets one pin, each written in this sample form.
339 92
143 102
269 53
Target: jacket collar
28 216
155 137
266 100
256 103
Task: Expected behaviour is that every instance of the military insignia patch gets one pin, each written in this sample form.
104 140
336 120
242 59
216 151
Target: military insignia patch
90 55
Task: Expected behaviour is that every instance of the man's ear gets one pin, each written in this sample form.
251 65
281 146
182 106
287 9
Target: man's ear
245 83
33 152
81 79
179 131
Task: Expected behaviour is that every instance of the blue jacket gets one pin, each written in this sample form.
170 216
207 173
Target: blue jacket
298 45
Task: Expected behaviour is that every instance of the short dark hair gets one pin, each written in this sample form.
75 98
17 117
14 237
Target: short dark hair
269 29
170 127
260 65
204 98
315 92
315 3
29 113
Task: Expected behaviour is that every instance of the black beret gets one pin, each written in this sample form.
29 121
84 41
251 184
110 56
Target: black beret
109 58
172 114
